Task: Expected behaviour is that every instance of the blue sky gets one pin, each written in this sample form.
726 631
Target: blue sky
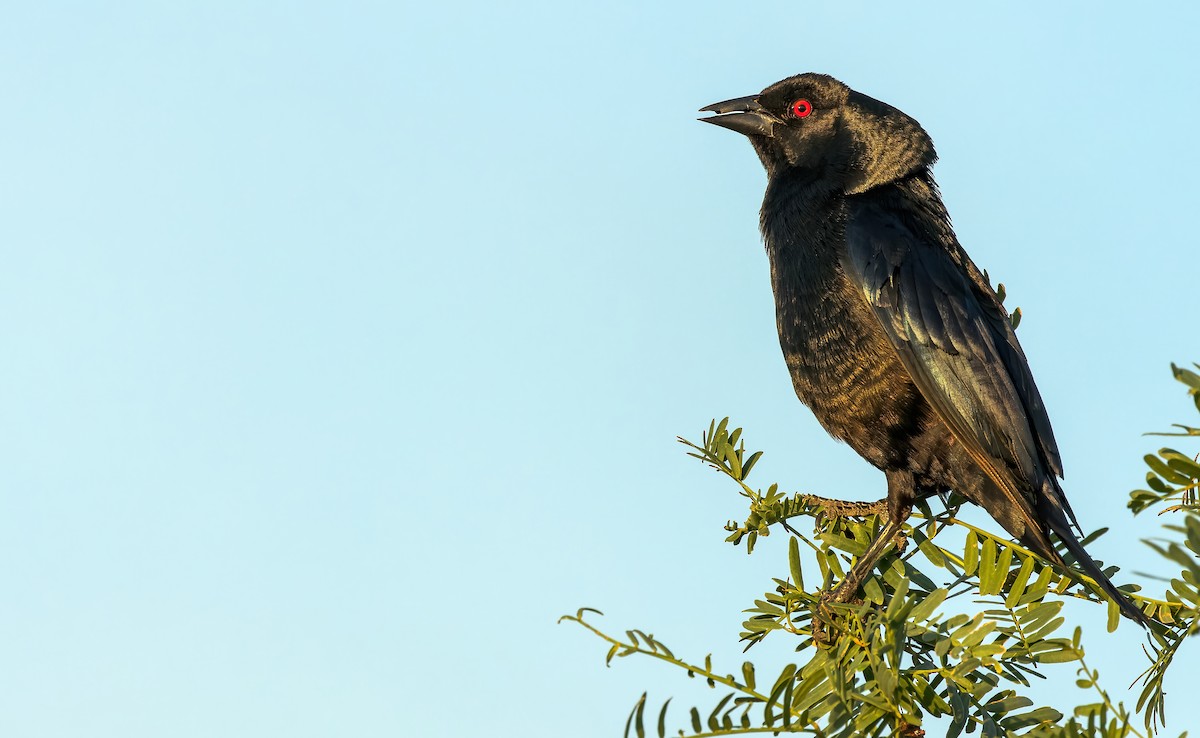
346 344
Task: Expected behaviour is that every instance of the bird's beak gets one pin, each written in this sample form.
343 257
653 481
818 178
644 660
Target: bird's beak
742 114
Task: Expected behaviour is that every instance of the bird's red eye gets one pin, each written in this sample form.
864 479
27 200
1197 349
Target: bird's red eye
801 108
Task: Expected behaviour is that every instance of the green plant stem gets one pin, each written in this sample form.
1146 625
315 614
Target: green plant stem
1092 677
1076 574
728 682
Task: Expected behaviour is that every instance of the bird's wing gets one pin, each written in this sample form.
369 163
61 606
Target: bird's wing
955 340
958 346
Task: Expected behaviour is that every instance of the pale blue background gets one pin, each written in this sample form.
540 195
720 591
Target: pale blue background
345 345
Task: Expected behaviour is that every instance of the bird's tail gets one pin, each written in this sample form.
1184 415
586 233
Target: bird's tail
1057 521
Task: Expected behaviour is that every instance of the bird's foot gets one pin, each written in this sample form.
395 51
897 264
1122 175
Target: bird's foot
831 508
823 615
845 593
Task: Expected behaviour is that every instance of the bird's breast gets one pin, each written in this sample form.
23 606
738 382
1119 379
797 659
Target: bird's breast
841 363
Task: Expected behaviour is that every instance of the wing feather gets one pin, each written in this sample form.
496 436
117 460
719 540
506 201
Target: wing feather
957 344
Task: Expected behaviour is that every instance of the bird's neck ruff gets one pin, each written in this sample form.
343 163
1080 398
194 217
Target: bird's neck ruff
889 146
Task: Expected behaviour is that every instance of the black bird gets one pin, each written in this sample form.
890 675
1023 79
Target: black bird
893 337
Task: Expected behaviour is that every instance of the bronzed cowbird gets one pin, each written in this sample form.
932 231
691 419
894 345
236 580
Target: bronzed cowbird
893 337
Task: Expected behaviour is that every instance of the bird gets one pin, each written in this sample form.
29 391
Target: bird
893 337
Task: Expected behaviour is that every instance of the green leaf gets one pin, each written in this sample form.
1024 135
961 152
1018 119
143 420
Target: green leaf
927 606
986 651
662 719
1186 591
928 698
635 718
782 687
899 602
1184 465
1046 629
1090 710
794 563
1187 376
989 576
1157 484
1034 717
787 701
942 647
857 548
931 551
977 634
748 674
714 718
872 591
661 647
1017 591
750 462
971 554
1059 656
1002 567
814 685
960 706
1163 470
720 432
902 569
1094 535
730 456
767 608
1009 704
1040 586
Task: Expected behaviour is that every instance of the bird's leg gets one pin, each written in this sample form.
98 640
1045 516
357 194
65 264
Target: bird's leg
894 511
847 590
902 492
850 583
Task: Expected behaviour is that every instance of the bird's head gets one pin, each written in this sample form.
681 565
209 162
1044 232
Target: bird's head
815 123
